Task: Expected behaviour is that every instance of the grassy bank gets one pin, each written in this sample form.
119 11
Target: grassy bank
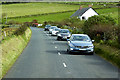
109 53
12 48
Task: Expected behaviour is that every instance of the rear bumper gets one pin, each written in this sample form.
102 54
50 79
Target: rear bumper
54 34
46 29
63 38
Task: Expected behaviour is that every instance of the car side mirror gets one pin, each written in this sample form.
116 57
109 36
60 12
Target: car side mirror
93 40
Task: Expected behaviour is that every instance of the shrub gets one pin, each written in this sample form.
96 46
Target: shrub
97 20
21 30
11 22
28 23
99 27
119 35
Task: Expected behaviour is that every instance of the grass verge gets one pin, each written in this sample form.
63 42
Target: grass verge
108 53
12 48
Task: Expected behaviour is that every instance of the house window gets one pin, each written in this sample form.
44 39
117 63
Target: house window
83 18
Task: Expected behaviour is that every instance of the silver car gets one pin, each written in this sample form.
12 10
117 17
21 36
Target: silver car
80 43
63 34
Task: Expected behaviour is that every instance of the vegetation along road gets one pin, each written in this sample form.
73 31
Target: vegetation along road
45 57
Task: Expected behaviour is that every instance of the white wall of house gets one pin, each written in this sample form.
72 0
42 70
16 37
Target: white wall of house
90 12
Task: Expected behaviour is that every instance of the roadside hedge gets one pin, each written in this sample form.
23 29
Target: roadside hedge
109 53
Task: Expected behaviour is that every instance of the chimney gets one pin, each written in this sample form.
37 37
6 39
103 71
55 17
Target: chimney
81 7
89 5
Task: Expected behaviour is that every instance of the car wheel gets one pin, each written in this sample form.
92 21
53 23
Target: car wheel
57 38
69 52
92 53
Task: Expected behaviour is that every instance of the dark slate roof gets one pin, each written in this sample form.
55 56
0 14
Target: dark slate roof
80 12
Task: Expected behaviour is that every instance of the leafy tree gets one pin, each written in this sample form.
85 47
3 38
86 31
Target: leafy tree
99 26
97 20
119 35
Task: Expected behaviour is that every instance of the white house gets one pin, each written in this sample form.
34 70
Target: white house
84 13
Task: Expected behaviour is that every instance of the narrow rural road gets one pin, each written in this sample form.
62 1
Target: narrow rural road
45 57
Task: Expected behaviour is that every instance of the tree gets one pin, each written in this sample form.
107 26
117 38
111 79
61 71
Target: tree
99 25
119 35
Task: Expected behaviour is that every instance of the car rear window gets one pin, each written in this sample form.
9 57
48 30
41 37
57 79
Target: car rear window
80 38
64 31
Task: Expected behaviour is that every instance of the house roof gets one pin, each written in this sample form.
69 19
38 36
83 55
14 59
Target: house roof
80 12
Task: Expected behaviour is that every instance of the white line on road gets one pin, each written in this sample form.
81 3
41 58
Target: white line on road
59 53
44 31
64 65
47 34
55 46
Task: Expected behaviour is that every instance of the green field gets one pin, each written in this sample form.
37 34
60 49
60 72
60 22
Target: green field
13 10
42 18
23 9
113 12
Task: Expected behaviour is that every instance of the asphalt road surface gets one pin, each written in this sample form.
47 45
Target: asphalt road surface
45 57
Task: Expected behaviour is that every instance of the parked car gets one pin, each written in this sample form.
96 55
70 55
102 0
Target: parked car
51 28
63 34
47 27
55 31
80 43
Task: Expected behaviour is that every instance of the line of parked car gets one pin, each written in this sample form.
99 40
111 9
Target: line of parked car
80 43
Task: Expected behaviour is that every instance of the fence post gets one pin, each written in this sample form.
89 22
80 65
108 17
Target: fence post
5 33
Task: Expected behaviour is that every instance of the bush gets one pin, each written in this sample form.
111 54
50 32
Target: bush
28 23
119 35
21 30
99 27
97 20
11 22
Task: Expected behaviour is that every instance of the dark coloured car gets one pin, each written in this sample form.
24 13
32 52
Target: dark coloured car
63 34
80 43
47 27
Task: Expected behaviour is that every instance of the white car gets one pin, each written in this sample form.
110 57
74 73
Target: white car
51 28
55 31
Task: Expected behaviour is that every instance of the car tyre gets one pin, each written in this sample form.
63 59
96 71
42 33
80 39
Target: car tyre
58 39
92 53
69 52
